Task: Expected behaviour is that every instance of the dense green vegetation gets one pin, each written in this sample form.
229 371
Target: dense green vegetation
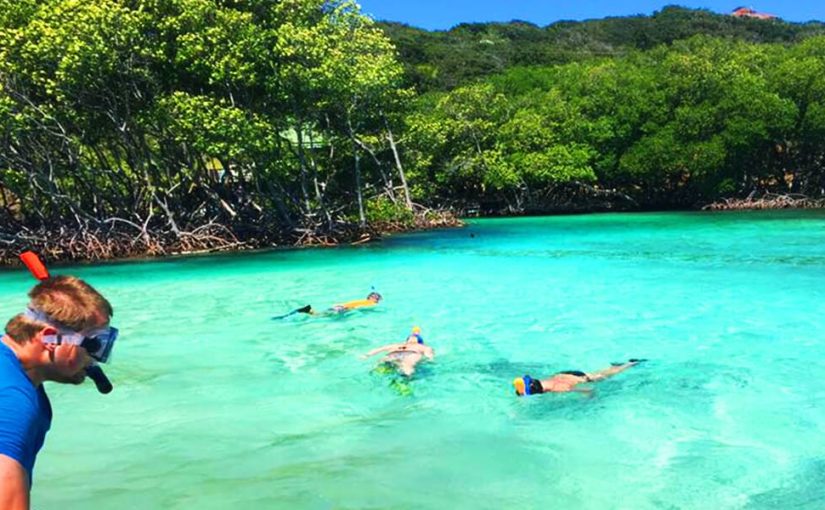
190 123
143 126
670 127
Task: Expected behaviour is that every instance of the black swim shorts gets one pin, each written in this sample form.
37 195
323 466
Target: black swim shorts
577 373
535 387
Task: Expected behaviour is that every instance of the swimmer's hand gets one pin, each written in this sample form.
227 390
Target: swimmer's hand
631 362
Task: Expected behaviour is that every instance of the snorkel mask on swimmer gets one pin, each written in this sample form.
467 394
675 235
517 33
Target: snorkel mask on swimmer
526 386
374 296
98 342
416 332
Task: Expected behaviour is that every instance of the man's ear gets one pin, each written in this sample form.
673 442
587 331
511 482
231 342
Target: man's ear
48 330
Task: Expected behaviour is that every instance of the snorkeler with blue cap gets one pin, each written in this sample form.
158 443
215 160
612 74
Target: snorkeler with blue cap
568 380
406 355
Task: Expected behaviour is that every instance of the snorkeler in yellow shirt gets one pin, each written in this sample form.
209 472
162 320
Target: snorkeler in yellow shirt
372 299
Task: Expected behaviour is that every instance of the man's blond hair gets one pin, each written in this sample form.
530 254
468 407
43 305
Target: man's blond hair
22 329
68 301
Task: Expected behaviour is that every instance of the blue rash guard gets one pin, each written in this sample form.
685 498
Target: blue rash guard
25 412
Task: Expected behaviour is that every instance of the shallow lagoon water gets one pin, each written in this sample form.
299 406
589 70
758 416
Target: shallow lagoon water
217 406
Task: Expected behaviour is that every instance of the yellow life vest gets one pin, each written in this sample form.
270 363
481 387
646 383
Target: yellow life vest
358 303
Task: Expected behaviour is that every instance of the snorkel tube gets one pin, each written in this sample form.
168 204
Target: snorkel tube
34 265
39 271
97 376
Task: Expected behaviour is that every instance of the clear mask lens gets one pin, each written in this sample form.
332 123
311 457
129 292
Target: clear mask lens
99 343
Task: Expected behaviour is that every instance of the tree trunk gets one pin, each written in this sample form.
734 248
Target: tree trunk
400 168
357 160
318 194
386 178
302 160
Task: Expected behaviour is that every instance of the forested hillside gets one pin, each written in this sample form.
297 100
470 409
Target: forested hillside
668 111
444 59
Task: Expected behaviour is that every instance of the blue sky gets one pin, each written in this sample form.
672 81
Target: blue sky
443 14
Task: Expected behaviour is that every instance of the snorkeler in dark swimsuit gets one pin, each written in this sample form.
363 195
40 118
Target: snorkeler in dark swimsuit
567 380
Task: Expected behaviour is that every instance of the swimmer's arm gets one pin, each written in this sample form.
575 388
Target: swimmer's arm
14 485
429 352
586 391
380 349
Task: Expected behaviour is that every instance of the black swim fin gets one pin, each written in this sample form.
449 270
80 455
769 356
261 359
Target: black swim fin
303 309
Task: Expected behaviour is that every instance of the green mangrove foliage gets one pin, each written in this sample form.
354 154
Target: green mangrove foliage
185 124
669 127
149 126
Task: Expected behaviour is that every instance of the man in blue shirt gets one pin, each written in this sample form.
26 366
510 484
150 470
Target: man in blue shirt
63 332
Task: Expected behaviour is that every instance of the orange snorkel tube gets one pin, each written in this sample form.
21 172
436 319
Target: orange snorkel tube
35 265
39 271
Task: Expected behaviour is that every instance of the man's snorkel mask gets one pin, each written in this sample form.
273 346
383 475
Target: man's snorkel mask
98 343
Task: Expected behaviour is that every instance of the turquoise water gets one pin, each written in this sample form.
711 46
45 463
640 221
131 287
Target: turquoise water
217 406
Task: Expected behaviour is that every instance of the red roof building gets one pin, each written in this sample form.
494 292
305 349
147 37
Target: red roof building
747 12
